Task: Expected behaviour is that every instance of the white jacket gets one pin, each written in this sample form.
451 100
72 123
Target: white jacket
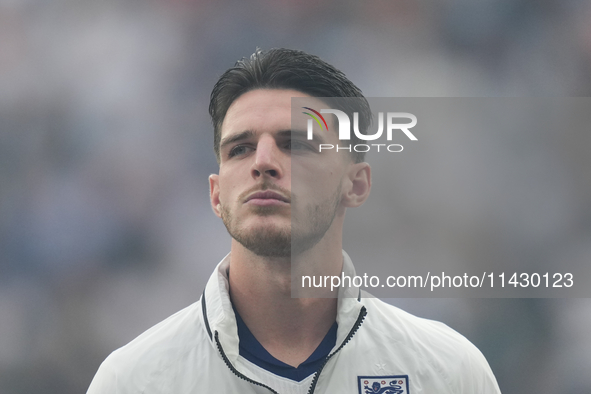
379 349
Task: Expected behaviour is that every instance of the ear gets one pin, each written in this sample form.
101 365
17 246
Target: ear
358 185
214 194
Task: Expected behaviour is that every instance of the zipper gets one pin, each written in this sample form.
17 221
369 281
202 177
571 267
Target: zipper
234 370
356 326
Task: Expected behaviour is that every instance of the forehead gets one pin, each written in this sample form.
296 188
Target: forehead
262 110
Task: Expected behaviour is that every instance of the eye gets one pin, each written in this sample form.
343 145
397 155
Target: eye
297 145
239 150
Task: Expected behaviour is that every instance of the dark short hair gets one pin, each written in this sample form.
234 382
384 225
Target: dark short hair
286 69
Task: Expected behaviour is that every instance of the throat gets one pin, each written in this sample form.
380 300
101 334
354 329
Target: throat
289 329
292 362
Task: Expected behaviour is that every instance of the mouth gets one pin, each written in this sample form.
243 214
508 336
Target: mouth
266 197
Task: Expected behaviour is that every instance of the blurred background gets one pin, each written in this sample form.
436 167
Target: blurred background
106 145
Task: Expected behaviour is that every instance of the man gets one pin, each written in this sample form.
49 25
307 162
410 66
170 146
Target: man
247 333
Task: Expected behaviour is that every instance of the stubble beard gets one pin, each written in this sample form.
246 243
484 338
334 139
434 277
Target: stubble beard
284 242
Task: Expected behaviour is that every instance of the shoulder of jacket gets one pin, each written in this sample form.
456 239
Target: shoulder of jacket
158 348
417 332
429 342
389 314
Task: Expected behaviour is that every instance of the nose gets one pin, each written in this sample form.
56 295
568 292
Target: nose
267 159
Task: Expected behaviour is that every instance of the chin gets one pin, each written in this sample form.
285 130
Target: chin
266 241
267 224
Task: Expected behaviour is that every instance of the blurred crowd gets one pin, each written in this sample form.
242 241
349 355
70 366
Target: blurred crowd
106 145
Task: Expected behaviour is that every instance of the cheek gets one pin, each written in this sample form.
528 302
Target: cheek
229 191
225 195
223 190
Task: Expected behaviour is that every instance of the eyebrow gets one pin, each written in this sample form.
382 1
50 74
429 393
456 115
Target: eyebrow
304 135
236 137
244 135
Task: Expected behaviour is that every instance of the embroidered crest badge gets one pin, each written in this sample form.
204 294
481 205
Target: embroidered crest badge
383 384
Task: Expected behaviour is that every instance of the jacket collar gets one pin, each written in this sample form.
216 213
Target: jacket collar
219 316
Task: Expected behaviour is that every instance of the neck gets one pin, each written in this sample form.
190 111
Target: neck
261 291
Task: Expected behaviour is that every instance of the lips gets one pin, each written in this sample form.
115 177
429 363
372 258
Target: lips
267 195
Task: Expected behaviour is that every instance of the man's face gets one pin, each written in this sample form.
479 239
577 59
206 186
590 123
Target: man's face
253 192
